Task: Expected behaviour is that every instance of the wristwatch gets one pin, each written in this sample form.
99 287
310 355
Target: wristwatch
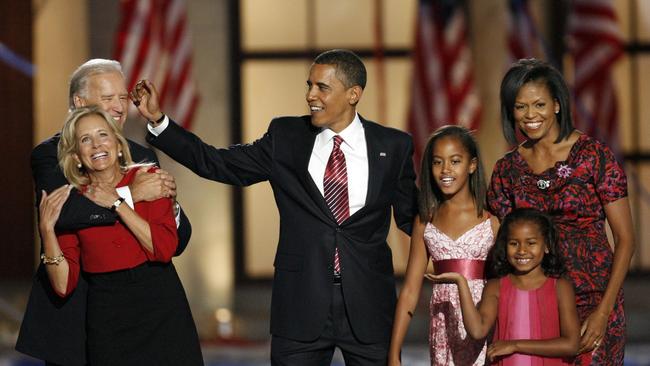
117 204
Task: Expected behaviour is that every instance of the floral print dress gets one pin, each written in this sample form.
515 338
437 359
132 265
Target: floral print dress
574 192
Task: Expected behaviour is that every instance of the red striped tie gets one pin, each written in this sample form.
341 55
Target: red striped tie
335 187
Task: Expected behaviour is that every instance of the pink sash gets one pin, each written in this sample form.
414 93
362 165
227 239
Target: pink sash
471 269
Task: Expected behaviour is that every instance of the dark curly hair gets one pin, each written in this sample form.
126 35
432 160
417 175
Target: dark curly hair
552 264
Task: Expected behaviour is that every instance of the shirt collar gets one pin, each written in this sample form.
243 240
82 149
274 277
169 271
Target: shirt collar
351 134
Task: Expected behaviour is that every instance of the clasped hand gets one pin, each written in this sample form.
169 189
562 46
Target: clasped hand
102 194
150 186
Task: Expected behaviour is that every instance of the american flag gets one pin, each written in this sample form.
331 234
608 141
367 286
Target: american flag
443 90
595 45
524 39
153 42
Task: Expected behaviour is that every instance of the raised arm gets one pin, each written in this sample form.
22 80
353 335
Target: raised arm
410 293
478 321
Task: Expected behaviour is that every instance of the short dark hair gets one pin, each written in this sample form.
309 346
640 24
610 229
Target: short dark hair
349 67
552 264
430 196
538 71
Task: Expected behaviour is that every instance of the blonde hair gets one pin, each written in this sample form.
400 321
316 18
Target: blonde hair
69 145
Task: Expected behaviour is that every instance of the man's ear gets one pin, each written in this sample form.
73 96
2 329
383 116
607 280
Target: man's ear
355 93
78 101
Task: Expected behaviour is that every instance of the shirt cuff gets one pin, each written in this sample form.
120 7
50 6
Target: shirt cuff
177 208
125 193
160 128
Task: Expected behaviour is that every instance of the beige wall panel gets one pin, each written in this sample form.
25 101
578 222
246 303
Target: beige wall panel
489 56
344 23
269 89
58 50
273 24
621 76
622 8
643 20
644 106
399 22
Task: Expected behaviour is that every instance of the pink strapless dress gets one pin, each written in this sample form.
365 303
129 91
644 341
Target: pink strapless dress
449 342
528 314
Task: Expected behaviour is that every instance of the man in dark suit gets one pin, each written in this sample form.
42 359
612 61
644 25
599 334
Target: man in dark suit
53 328
335 177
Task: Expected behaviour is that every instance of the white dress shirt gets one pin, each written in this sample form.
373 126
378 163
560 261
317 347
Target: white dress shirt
356 161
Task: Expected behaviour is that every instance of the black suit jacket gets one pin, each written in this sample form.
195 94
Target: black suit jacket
54 329
309 233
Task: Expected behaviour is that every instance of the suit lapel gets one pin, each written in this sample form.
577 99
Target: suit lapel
302 153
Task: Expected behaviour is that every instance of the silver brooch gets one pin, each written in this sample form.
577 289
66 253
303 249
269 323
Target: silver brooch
543 183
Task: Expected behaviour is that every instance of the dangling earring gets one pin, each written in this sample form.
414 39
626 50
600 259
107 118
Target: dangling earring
79 166
119 154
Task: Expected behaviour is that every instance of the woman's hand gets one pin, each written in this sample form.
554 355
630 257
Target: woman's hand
500 348
593 330
448 277
102 194
50 206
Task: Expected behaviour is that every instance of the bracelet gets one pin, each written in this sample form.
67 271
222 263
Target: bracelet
117 204
52 260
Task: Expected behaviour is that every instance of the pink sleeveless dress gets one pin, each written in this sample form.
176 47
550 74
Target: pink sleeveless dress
449 342
528 314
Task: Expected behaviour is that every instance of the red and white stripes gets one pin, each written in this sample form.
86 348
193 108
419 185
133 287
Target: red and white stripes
153 42
443 90
595 44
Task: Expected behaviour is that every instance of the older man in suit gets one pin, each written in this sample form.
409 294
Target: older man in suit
336 177
53 329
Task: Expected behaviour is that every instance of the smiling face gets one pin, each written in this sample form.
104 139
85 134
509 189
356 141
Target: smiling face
535 111
451 165
108 91
97 145
331 104
525 247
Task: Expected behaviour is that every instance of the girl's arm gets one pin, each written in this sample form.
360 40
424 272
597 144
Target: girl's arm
619 218
478 322
564 345
410 293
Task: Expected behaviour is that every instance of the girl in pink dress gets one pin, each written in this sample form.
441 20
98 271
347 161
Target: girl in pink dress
455 230
534 309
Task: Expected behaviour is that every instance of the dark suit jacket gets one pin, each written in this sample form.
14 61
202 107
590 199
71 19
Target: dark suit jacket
54 329
302 283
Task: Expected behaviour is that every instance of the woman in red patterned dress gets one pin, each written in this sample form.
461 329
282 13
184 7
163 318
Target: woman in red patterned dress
577 180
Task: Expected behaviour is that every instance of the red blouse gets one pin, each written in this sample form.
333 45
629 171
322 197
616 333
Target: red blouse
113 247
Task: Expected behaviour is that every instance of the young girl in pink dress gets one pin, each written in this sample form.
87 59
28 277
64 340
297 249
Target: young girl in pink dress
534 309
455 230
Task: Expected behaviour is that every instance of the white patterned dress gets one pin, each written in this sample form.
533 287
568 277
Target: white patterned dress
449 342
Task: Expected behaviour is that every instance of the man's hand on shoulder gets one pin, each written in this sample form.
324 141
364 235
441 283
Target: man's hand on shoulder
150 186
